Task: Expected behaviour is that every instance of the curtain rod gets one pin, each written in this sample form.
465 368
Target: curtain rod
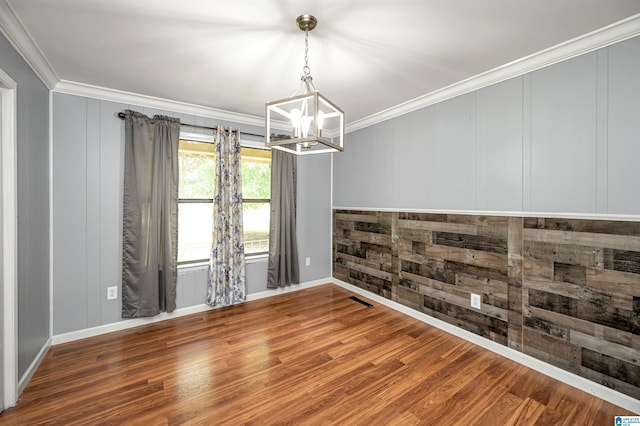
121 115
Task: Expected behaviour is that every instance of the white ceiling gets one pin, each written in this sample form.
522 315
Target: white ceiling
365 55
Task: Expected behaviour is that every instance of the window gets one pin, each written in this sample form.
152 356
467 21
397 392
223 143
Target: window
195 199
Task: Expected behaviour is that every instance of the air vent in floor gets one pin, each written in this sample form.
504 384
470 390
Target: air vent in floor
367 304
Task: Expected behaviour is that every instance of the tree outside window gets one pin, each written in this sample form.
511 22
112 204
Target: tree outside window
195 204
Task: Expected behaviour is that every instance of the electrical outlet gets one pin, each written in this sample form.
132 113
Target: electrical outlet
112 293
308 261
476 301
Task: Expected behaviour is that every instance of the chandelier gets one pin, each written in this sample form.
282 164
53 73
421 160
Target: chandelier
315 124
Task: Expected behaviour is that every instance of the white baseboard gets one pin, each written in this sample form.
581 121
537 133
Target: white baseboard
135 322
288 289
22 383
125 324
614 397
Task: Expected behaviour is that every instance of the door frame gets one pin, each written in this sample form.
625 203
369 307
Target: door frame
9 203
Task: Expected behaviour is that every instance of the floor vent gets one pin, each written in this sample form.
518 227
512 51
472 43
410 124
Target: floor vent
367 304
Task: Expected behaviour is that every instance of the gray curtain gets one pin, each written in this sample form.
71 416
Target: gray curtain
283 246
150 215
226 284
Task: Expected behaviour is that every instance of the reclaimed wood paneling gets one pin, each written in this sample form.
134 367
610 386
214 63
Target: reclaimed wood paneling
514 262
565 291
437 262
581 278
363 251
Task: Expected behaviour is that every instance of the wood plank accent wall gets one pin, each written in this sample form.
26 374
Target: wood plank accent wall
564 291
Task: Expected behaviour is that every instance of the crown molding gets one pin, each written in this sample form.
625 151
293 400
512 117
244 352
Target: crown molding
114 95
15 31
603 37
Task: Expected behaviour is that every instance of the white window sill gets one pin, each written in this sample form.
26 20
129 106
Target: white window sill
257 258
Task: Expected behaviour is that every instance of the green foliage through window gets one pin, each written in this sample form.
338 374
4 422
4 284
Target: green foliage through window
196 191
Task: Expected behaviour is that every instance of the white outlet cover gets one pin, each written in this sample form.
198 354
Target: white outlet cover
476 301
112 293
308 261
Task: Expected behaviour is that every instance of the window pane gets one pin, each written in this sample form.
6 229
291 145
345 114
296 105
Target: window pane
256 173
194 231
197 168
256 227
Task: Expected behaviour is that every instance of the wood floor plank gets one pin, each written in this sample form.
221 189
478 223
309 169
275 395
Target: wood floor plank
308 357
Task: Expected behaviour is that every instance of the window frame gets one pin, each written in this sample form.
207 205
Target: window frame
205 138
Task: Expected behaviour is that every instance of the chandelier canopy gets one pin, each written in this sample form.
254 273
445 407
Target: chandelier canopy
316 124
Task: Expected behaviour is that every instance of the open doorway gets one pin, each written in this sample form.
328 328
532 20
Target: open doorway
8 248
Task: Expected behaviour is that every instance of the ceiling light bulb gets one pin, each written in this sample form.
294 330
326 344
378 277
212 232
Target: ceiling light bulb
295 117
320 123
305 123
320 119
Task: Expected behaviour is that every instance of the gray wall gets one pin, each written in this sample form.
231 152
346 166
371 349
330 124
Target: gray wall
563 139
33 205
314 216
88 140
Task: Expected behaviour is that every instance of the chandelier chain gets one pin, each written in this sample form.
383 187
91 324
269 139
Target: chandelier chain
306 69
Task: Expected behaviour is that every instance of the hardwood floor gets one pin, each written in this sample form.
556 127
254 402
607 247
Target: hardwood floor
309 357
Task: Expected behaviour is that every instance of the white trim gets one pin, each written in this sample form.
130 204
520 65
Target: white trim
120 96
203 266
210 138
253 144
50 214
24 380
331 219
603 37
256 258
288 289
9 204
130 323
192 267
198 137
553 215
125 324
564 376
20 38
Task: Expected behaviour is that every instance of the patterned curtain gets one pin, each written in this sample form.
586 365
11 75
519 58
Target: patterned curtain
226 284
